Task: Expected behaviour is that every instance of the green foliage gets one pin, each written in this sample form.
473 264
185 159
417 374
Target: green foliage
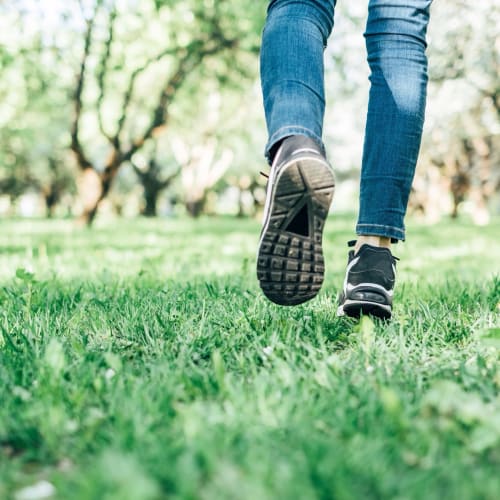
40 55
34 113
141 361
134 52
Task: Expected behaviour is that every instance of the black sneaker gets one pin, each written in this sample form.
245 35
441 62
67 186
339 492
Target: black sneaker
290 264
369 283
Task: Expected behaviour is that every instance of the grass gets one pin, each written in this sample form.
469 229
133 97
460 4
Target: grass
140 361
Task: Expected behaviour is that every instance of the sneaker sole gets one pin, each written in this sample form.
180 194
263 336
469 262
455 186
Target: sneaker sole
290 266
355 308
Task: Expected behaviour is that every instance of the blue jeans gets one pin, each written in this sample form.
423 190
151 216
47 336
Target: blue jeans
294 38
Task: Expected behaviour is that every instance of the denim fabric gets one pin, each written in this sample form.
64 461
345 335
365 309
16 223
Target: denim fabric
294 38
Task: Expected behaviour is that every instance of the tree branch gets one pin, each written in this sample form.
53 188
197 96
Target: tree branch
101 76
188 58
151 174
159 116
166 182
137 170
131 87
76 146
192 56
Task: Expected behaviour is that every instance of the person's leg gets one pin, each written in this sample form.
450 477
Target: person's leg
395 41
290 264
291 66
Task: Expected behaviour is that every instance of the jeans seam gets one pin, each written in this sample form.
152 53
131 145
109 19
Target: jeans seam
382 225
393 232
284 127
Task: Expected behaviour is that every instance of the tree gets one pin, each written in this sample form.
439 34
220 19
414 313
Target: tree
460 149
33 110
153 179
202 166
197 31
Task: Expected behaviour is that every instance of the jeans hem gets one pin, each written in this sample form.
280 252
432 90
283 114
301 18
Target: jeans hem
395 233
286 131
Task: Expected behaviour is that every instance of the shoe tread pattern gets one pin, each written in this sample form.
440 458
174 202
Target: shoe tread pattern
290 266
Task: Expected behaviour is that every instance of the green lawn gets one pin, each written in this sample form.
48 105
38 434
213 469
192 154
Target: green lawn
139 361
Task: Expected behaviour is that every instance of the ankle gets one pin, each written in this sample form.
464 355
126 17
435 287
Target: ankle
373 240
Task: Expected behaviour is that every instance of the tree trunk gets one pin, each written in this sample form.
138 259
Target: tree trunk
90 191
195 207
150 198
51 198
89 214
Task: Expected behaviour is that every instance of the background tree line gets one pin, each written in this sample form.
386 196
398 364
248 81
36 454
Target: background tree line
104 102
